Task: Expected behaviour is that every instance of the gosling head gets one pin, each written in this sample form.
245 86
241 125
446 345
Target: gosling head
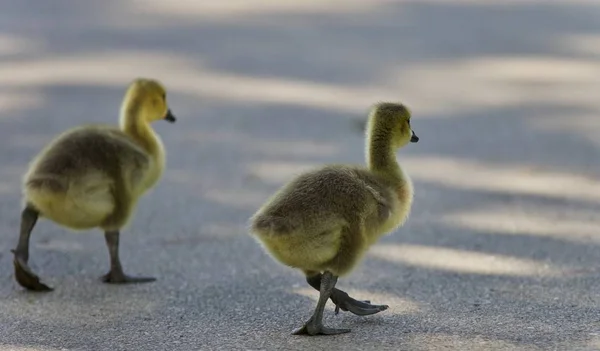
151 97
393 119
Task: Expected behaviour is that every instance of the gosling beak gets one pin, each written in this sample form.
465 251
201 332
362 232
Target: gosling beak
414 138
169 117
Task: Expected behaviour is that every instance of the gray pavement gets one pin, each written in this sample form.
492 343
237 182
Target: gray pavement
502 248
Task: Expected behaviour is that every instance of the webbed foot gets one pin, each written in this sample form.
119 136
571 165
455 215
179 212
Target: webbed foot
312 328
344 302
116 274
113 277
25 276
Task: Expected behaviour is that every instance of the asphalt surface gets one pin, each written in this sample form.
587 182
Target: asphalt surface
501 251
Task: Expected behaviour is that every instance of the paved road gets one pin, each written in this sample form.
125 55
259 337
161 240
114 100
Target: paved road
502 249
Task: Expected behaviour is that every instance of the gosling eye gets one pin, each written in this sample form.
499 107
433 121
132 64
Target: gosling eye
164 97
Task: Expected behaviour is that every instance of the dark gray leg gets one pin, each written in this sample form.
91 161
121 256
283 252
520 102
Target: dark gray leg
23 274
314 325
116 274
344 302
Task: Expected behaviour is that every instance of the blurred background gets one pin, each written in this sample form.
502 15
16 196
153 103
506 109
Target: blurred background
501 250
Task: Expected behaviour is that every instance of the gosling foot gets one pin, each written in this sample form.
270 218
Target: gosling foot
312 328
116 274
115 277
344 302
25 276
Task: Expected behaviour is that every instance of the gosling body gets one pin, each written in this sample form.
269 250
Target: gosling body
341 212
92 177
324 221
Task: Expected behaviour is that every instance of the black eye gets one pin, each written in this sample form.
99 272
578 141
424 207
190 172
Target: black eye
164 96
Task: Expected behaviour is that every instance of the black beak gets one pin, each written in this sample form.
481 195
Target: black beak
414 138
170 117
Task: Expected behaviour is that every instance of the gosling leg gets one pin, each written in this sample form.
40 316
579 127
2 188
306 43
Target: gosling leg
116 274
314 325
344 302
23 274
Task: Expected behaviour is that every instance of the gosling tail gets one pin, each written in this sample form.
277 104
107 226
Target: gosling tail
47 183
265 224
42 191
69 204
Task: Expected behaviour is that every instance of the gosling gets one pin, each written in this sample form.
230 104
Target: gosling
324 221
92 177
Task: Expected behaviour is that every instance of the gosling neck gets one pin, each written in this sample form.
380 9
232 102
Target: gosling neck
381 154
134 124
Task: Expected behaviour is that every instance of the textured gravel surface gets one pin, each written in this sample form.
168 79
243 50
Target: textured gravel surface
500 253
